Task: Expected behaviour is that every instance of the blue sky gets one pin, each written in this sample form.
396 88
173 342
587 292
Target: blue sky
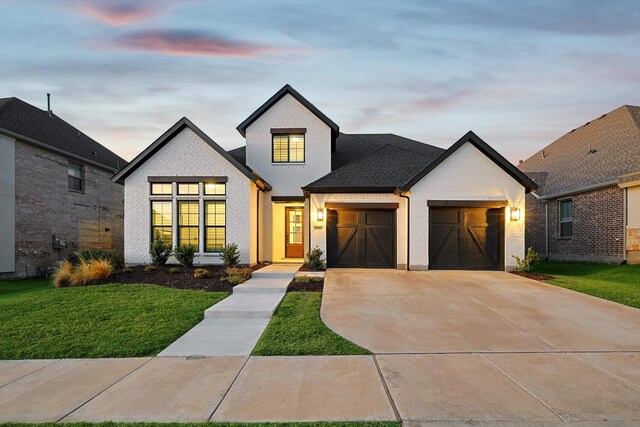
518 73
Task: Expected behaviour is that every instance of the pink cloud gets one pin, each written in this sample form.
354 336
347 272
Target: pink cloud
118 13
193 43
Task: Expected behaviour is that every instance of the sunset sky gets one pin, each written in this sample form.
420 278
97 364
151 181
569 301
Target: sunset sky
520 74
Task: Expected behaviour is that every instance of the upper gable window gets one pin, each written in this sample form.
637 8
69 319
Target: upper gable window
288 148
191 189
165 188
75 174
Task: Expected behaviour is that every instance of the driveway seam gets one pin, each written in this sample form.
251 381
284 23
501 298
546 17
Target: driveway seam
603 370
32 372
506 319
522 387
102 391
224 396
386 389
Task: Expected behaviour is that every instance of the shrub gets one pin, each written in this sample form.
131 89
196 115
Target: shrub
201 273
84 273
235 275
160 251
315 261
150 268
96 254
184 254
127 270
62 275
230 255
175 270
529 262
305 280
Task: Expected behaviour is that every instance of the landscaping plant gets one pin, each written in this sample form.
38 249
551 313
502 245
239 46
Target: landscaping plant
315 261
174 270
86 272
201 273
527 263
150 268
230 255
96 254
127 270
160 251
236 275
184 254
62 275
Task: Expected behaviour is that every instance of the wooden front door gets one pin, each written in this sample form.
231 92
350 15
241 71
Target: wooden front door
293 233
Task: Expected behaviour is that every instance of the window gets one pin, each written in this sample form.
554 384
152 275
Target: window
215 225
188 189
288 148
211 189
566 218
188 228
162 189
162 221
75 176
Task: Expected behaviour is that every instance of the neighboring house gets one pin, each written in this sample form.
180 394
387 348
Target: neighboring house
56 194
587 206
366 200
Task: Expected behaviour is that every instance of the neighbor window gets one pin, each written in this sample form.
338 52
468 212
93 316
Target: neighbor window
188 189
75 176
161 189
215 225
162 221
212 189
566 218
288 148
188 229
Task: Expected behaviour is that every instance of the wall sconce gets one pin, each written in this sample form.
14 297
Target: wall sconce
515 214
320 215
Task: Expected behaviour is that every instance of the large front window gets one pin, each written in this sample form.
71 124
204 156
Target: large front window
215 225
288 148
188 223
566 218
162 221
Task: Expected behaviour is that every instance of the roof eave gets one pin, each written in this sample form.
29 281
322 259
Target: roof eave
346 189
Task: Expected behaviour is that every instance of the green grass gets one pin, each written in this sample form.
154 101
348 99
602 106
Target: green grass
38 320
618 283
296 329
298 424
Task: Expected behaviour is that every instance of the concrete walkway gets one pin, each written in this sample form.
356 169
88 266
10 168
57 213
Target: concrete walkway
233 326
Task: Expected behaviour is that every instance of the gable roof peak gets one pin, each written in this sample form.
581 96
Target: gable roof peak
287 89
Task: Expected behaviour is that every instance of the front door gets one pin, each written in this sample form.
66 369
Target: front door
294 233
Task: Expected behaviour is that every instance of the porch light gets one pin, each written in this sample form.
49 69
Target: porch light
515 214
320 215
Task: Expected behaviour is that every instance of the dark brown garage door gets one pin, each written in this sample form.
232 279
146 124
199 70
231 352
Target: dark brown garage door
361 238
466 239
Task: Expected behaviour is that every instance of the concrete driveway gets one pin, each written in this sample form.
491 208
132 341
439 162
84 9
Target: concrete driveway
390 311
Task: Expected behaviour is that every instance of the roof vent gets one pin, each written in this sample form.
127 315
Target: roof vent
49 112
592 150
586 124
520 162
544 154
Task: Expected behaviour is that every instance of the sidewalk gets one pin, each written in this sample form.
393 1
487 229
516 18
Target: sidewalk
233 326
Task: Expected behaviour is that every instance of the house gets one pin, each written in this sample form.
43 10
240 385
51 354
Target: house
56 194
587 206
365 200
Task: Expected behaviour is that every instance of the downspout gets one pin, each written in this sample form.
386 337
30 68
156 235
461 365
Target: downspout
258 225
399 193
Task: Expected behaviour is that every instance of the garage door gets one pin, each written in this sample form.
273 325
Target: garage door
361 238
466 239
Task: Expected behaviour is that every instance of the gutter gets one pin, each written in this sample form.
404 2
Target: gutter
578 191
404 196
64 153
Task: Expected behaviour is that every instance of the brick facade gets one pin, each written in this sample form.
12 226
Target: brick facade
598 227
45 207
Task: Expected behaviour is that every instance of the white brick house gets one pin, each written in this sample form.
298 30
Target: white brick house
366 200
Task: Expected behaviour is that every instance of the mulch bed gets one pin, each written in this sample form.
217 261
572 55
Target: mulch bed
316 284
532 275
182 280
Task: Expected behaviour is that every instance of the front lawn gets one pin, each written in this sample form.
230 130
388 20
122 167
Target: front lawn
296 329
618 283
39 321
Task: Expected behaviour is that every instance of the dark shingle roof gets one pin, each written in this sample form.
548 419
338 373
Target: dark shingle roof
240 154
25 120
597 153
387 168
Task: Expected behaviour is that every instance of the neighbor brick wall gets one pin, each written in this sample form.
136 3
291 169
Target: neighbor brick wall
45 206
535 225
598 227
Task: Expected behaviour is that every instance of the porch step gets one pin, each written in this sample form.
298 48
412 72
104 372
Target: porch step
246 306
